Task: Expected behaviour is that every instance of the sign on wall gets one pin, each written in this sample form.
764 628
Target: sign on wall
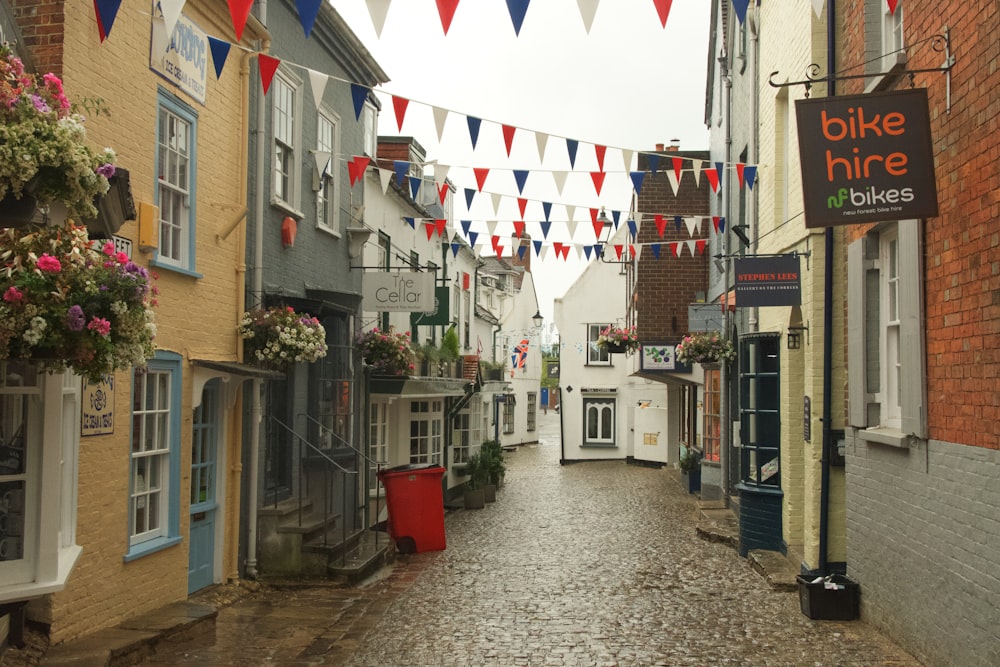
866 158
98 413
181 59
768 281
661 357
402 291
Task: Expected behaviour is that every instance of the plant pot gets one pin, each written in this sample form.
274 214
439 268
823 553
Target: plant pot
692 479
616 348
474 499
490 493
15 212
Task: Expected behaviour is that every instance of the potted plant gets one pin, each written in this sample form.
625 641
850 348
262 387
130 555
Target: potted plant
429 357
449 351
491 370
69 303
387 352
44 157
277 337
619 339
492 453
690 465
474 495
705 348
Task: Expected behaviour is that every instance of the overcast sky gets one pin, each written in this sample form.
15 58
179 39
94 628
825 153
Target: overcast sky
628 85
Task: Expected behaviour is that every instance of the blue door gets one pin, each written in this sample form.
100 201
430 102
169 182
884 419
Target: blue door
204 449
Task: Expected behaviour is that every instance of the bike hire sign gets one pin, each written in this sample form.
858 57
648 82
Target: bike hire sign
866 158
398 292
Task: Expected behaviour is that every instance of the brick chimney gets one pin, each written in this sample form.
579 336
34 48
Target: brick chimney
516 243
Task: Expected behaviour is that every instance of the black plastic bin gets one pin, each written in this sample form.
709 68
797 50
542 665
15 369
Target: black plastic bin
821 603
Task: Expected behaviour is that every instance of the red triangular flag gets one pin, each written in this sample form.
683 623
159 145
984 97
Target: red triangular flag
600 151
268 66
481 174
631 250
713 178
739 173
239 10
892 6
399 104
715 223
565 251
593 215
521 205
356 168
443 192
557 246
508 136
663 9
673 249
429 226
598 178
446 8
352 172
661 224
440 225
678 163
518 228
618 250
495 240
700 245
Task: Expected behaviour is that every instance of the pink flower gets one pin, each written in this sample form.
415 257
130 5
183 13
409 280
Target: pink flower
13 295
121 258
108 248
49 264
100 325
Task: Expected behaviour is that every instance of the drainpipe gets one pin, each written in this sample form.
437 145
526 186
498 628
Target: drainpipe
725 432
824 489
754 27
562 431
256 411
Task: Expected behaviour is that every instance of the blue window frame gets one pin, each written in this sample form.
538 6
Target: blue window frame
176 183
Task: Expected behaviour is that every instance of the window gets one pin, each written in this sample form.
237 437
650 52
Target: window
886 377
509 406
760 420
598 422
378 439
369 123
884 43
467 431
327 142
155 459
384 256
336 387
532 410
425 432
711 436
596 356
176 182
285 119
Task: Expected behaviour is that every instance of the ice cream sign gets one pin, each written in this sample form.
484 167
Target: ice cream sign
866 158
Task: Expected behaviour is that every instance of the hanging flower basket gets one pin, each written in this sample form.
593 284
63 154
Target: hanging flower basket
15 211
69 303
387 352
277 337
705 348
619 340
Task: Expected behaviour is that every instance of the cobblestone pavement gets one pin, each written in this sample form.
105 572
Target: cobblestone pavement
587 564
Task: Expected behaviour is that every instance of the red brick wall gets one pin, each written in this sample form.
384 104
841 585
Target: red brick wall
962 244
41 25
666 286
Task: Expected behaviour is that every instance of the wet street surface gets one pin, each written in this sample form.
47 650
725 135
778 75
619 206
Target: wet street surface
587 564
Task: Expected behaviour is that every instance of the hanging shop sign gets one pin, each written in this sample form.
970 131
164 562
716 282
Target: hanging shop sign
181 59
866 158
98 411
401 291
768 281
661 357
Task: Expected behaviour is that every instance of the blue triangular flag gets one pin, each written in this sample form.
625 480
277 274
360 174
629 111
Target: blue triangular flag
401 167
637 178
616 216
749 175
414 187
466 226
654 162
718 170
633 228
517 8
571 146
545 225
107 10
521 249
655 247
598 250
220 51
360 96
411 222
722 224
538 247
678 220
587 249
455 247
308 9
470 193
741 9
547 209
521 177
474 124
472 238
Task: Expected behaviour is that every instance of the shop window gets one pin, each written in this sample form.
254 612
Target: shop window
599 422
760 421
425 431
712 414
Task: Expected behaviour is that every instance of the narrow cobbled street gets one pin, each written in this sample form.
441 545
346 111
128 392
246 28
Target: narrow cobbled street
588 564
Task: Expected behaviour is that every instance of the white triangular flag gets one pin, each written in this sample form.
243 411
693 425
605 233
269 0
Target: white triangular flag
570 212
491 228
441 173
323 162
627 159
690 246
440 116
638 250
171 12
638 219
674 184
696 166
571 226
560 179
543 255
317 81
497 198
818 8
692 225
542 139
378 9
588 8
385 175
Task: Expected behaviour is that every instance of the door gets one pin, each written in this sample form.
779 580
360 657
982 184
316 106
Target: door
204 474
652 430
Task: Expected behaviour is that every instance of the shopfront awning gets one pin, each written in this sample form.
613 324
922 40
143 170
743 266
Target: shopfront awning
237 368
401 385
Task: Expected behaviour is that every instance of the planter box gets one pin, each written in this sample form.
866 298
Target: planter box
474 499
829 604
692 479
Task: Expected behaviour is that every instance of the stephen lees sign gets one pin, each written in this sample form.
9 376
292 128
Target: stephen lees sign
866 158
398 292
768 281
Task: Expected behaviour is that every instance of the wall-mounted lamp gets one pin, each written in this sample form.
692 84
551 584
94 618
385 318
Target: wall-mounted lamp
537 318
720 266
795 337
741 235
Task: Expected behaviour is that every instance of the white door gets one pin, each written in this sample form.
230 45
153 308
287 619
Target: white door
651 428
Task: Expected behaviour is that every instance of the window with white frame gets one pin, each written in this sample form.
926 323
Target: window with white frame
369 124
884 41
887 376
598 421
327 143
285 120
509 406
532 410
175 177
154 475
596 356
467 431
378 439
425 431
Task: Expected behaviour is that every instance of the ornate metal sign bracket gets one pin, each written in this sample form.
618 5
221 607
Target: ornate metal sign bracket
940 43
